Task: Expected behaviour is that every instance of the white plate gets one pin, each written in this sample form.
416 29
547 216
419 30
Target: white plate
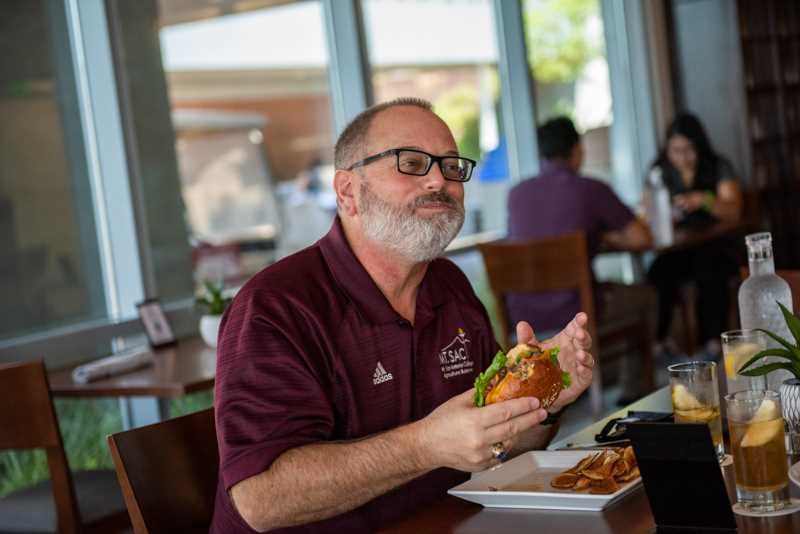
794 473
524 482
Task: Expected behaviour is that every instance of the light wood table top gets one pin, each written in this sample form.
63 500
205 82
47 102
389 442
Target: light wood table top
184 368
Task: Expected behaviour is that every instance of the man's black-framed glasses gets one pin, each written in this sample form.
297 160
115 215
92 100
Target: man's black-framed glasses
419 163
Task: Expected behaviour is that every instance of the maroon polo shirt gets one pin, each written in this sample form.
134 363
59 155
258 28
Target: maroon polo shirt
554 203
311 351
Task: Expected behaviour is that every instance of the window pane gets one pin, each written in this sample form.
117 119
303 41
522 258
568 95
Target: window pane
246 90
445 51
567 52
49 265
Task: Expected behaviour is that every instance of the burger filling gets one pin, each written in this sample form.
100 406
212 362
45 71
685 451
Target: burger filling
519 362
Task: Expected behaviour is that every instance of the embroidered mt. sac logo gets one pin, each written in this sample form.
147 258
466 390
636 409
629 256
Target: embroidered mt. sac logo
454 358
381 375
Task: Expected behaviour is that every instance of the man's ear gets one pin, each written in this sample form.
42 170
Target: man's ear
344 187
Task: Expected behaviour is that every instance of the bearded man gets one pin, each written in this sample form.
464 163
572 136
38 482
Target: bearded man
343 389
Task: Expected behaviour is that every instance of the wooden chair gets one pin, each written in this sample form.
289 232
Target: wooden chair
168 473
557 264
80 502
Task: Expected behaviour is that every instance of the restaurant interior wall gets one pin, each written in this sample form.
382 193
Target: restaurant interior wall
770 42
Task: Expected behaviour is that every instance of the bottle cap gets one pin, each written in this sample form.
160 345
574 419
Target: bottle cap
759 246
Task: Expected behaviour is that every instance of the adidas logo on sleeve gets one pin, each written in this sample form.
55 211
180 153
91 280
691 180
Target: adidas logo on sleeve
381 375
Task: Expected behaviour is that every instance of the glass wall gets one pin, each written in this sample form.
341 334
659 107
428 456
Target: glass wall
445 51
50 272
567 54
247 122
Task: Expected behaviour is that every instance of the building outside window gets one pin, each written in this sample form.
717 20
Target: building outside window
249 125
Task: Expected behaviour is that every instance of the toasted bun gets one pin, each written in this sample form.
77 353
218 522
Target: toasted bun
543 379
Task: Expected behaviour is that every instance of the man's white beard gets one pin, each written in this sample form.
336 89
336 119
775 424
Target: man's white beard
399 229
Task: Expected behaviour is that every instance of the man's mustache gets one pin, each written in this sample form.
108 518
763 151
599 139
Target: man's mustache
436 197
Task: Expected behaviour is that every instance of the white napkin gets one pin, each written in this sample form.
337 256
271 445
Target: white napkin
115 364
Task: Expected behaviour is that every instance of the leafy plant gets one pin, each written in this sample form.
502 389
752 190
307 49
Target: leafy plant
790 352
212 298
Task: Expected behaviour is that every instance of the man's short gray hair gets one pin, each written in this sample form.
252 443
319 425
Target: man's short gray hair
353 138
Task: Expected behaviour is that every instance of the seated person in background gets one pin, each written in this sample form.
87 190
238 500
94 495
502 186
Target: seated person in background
334 407
704 189
559 201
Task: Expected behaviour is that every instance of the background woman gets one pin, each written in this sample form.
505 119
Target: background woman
704 189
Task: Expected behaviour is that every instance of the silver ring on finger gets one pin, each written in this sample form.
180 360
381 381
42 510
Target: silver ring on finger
499 451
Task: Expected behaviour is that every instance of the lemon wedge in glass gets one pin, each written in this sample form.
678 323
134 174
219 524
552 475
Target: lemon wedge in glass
738 356
683 399
765 424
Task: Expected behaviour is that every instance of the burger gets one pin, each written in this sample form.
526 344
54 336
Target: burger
526 371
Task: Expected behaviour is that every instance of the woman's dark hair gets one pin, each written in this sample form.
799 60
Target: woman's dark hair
689 126
557 137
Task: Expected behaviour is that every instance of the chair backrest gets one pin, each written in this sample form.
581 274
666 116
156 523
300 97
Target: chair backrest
168 473
28 421
792 277
552 264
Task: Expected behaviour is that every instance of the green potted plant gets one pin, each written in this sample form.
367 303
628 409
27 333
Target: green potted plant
788 355
212 299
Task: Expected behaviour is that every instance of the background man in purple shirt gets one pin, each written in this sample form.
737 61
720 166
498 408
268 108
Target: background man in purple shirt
560 201
343 395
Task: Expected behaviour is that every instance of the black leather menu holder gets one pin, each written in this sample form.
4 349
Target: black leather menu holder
682 477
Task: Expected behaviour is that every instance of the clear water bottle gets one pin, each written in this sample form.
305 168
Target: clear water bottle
758 295
658 208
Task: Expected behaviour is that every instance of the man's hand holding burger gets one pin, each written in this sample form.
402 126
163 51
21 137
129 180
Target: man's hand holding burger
574 343
460 436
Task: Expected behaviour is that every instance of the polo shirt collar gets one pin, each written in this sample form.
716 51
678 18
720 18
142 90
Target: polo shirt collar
555 169
359 286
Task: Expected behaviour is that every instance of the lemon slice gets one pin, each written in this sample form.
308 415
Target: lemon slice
730 365
760 433
703 414
767 411
738 357
683 399
765 424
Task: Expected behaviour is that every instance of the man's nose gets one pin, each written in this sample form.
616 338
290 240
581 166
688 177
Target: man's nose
434 180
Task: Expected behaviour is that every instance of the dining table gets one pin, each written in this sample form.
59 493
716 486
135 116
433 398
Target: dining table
631 515
683 238
186 367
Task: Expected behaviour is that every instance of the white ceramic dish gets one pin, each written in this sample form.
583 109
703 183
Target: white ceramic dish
524 482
